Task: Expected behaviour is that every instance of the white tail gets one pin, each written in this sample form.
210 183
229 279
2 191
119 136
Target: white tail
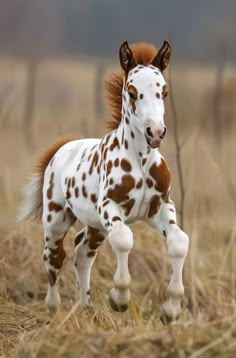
33 201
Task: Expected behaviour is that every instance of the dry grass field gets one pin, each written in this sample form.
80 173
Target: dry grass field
207 326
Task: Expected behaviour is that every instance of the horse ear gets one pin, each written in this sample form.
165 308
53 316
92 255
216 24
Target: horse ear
162 58
127 61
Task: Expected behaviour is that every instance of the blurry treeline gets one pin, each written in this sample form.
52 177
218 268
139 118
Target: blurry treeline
92 27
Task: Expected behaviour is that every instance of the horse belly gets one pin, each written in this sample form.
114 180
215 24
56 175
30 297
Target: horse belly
86 212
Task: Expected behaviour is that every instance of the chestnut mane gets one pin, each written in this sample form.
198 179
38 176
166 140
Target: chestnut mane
143 54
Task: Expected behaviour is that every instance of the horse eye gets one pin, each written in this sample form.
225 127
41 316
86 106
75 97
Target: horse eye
132 96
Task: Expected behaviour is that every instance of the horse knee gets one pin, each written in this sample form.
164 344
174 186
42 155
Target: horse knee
178 243
121 237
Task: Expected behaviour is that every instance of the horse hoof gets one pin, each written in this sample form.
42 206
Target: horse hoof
52 310
166 319
116 307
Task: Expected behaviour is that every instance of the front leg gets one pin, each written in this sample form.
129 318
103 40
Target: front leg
121 239
177 244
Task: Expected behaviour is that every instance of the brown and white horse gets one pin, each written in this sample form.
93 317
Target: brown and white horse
111 182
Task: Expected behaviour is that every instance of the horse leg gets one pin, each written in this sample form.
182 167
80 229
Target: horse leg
87 242
177 244
121 239
56 225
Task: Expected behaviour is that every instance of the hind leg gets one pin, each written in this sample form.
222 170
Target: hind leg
56 226
87 242
56 222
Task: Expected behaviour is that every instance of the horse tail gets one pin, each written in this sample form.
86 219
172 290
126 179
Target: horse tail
32 206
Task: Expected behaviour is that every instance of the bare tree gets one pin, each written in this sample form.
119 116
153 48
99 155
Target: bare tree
217 97
178 150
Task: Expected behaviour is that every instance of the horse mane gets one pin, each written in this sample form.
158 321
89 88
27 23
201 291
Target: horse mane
143 54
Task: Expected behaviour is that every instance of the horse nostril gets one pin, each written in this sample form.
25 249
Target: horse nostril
163 133
149 132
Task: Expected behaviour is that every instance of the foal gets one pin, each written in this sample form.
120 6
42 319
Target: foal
111 182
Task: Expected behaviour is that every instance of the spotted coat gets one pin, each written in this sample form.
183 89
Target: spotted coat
110 182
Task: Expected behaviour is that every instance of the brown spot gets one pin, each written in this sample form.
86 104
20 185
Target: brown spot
120 192
154 206
73 182
94 162
52 277
128 206
57 255
95 238
140 154
79 237
116 162
139 184
136 71
50 188
76 192
158 84
47 239
107 138
111 181
109 166
126 120
161 175
99 210
66 180
158 95
172 210
78 166
68 194
52 206
126 144
84 191
172 222
91 253
84 176
144 161
93 198
114 144
116 218
122 139
49 218
125 165
105 215
106 202
149 182
132 134
45 257
141 96
164 91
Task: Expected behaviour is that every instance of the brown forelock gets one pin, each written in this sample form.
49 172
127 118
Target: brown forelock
143 54
47 155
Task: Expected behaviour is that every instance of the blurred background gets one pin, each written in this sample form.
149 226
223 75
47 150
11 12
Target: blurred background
54 56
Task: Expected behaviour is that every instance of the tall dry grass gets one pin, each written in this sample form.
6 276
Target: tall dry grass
207 325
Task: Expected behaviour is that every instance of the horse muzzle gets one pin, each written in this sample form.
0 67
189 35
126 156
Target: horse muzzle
154 136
